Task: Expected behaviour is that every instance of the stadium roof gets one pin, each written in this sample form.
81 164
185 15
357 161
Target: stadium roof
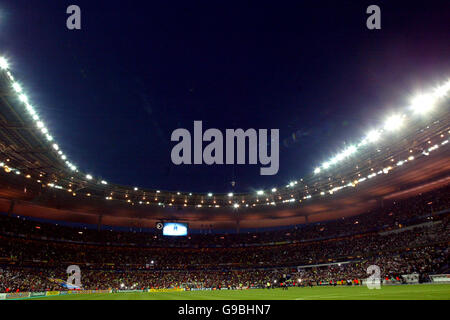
410 150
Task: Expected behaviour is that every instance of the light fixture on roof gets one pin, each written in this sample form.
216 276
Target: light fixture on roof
89 177
443 90
230 194
17 87
393 123
3 63
260 192
317 170
326 165
349 151
23 98
423 103
30 109
373 135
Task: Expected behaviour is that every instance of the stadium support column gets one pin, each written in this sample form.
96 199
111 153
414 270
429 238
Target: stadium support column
99 225
11 208
238 227
307 219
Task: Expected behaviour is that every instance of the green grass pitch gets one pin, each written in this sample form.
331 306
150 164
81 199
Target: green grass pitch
404 292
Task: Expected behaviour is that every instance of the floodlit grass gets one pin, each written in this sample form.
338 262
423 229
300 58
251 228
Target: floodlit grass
404 292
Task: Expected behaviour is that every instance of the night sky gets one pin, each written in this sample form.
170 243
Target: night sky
112 93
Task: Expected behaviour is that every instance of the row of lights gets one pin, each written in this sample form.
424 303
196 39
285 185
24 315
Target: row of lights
421 104
354 183
33 114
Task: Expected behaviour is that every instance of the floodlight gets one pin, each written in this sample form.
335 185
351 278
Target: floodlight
393 123
17 87
422 103
3 63
373 136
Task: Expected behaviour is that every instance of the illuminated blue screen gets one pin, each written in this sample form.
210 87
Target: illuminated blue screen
175 229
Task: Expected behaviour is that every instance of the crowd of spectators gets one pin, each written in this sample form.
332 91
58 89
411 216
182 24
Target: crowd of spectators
422 261
33 252
409 238
391 215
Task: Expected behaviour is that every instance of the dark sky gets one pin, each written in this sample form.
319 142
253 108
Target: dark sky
112 93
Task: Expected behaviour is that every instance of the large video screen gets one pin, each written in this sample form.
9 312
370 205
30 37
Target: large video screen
175 229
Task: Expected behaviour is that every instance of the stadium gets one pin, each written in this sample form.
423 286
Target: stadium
383 201
399 218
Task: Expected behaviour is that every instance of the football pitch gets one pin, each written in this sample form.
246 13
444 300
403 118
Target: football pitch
402 292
